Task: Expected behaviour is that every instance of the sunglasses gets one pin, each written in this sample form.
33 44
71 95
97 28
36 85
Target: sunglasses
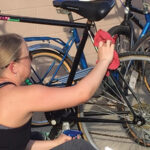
25 57
17 59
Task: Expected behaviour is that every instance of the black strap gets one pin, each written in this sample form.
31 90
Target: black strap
6 83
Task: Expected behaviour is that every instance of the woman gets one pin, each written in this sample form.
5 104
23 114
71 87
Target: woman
17 103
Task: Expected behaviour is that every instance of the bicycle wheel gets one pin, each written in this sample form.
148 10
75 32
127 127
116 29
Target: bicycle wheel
44 65
110 104
144 45
123 38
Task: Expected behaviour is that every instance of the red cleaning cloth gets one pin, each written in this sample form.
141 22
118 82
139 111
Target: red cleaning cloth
103 36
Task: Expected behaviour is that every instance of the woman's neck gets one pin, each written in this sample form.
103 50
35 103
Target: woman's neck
5 79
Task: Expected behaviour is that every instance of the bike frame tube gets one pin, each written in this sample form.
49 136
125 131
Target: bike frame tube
85 119
136 10
147 25
83 62
132 34
34 20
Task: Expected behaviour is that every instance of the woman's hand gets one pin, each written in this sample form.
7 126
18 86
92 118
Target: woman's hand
105 51
62 139
47 144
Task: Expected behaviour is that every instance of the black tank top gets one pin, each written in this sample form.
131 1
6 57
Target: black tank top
14 138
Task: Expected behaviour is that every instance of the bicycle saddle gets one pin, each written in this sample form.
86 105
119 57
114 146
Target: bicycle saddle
92 10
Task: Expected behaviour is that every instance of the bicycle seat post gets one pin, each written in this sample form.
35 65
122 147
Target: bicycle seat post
70 16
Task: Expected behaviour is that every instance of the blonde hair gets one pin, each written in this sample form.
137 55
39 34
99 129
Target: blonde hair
10 49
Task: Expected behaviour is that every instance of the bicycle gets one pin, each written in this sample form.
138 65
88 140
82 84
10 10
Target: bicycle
125 32
119 97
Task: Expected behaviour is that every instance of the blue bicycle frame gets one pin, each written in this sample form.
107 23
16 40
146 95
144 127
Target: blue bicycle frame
130 16
146 27
65 50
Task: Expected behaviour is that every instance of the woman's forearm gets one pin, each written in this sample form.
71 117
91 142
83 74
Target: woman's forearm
91 82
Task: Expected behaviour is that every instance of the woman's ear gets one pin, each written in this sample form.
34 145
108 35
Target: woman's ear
13 67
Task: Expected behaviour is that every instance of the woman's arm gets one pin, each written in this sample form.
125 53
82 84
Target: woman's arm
42 98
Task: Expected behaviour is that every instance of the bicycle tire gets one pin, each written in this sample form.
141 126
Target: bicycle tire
122 36
144 45
49 56
105 134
